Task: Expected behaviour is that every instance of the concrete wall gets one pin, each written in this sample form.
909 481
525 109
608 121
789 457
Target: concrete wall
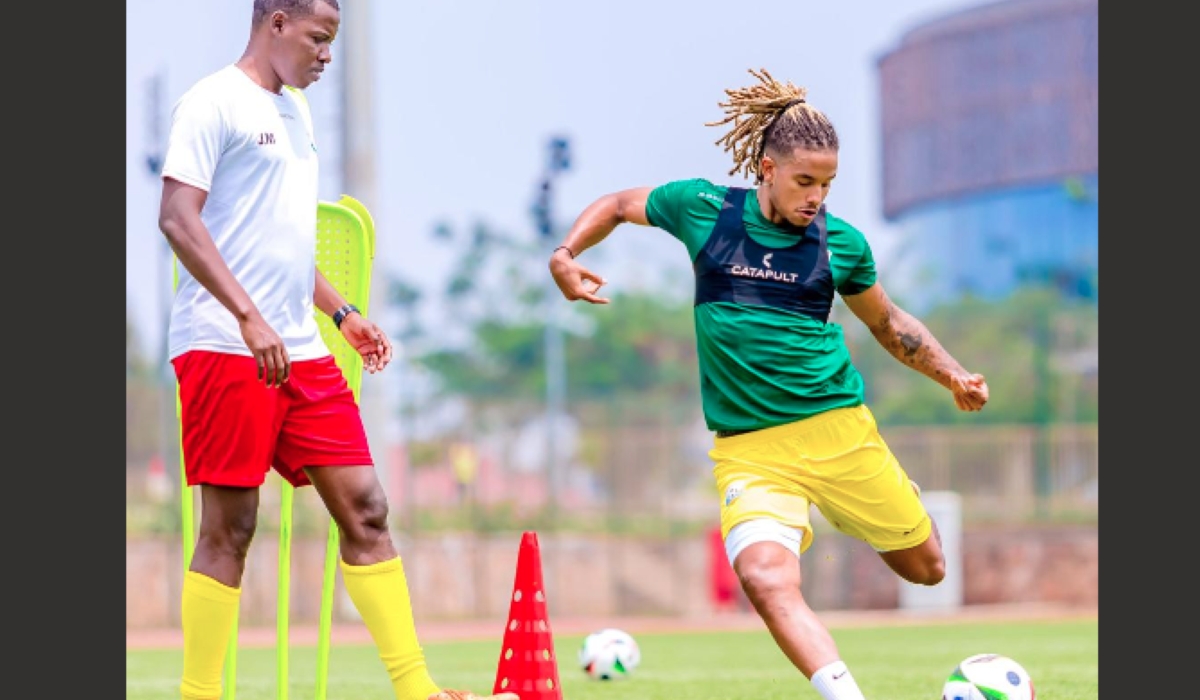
464 576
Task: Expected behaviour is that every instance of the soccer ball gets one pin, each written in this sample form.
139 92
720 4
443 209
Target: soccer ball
988 677
609 654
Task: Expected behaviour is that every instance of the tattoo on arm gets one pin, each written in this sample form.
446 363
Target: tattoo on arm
909 341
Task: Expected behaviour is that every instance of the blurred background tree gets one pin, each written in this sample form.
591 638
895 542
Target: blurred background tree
1033 347
639 345
143 402
1036 348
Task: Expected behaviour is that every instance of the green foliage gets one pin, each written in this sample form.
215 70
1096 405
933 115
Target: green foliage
137 365
145 399
1032 347
503 360
405 297
640 344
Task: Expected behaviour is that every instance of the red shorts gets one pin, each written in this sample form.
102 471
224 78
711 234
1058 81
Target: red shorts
235 429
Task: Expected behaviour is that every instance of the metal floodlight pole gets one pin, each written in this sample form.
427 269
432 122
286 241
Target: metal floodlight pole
357 129
556 380
154 161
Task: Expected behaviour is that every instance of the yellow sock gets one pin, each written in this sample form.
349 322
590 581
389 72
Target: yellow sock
210 609
380 593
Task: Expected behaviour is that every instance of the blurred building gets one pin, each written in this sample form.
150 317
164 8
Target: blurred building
991 152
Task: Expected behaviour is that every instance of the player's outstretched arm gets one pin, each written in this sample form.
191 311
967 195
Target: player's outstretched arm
910 342
593 225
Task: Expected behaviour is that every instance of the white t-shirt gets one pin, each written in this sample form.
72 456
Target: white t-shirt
253 152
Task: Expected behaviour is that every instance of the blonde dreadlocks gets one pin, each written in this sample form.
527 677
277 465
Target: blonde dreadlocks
771 115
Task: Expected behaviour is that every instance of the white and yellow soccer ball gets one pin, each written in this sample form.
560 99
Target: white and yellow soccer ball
988 677
609 654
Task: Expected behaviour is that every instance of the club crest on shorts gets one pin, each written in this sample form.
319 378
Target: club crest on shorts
732 493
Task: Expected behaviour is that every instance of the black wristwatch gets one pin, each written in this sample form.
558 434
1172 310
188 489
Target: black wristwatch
341 314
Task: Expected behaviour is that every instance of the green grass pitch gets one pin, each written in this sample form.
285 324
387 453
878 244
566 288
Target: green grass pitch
895 662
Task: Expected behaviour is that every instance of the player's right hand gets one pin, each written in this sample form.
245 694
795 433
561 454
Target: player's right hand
574 280
274 365
970 392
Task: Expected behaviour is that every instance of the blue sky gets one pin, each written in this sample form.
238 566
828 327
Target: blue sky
468 93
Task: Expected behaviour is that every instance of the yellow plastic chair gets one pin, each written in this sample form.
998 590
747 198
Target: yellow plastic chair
345 253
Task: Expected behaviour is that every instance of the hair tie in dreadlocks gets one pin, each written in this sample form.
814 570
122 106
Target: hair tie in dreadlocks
770 128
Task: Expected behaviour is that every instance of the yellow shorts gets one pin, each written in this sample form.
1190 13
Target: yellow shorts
836 461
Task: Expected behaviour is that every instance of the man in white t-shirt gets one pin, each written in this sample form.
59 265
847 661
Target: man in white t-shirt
259 389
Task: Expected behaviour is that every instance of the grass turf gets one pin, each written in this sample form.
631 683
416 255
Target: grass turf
896 663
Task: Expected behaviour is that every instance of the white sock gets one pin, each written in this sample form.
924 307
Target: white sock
834 682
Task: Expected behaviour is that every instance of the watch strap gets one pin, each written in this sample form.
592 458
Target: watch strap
341 314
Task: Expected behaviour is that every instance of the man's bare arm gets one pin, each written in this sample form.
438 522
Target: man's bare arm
906 338
179 219
326 297
592 226
180 222
605 214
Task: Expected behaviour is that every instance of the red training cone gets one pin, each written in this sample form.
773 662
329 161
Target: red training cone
528 666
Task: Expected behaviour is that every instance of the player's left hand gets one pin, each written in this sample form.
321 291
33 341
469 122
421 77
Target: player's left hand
970 391
369 340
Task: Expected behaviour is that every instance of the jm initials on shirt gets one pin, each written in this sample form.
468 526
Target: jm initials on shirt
266 139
